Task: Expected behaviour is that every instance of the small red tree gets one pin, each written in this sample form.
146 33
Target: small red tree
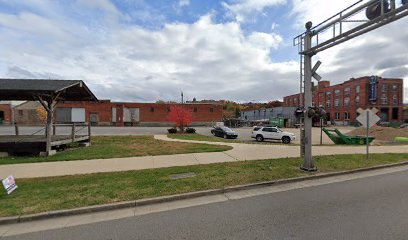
180 116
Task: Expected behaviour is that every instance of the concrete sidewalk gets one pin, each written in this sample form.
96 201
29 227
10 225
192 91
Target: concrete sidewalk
240 152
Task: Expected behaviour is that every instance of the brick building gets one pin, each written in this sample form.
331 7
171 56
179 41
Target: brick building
6 113
105 112
341 101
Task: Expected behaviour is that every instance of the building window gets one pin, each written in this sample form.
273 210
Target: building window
357 100
168 109
151 109
290 102
328 104
346 115
211 109
328 95
295 101
384 88
394 87
347 91
195 109
336 103
384 99
336 116
357 89
395 100
20 113
346 101
336 92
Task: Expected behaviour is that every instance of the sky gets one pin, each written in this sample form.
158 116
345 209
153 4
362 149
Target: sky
149 50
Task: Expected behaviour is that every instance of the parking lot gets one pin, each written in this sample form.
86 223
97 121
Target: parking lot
244 133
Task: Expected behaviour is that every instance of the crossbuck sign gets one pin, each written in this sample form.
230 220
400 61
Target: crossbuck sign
368 118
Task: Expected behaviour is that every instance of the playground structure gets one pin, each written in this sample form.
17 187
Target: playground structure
339 138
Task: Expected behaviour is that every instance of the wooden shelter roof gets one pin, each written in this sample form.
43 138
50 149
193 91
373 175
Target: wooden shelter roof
31 89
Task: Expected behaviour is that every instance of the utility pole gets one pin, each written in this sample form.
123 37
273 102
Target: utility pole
378 13
308 164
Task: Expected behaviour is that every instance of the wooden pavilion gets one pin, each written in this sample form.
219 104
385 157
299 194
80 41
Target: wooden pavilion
48 93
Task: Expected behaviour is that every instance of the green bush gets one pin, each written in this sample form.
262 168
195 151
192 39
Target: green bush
172 130
190 130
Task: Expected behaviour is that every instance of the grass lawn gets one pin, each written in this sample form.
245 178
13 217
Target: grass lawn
54 193
120 146
199 137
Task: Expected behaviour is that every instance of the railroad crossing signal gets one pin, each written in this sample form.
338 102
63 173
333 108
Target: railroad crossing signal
370 114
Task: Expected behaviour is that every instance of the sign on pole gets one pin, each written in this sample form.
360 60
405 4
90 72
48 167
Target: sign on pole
368 114
367 118
9 184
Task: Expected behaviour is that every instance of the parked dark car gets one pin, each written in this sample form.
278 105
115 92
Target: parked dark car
224 132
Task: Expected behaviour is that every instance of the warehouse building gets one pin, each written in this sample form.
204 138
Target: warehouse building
341 101
280 116
6 113
107 113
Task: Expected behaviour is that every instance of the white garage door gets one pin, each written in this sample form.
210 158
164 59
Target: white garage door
78 115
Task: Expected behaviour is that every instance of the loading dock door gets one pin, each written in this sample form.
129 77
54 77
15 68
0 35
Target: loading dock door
113 115
131 114
78 115
63 115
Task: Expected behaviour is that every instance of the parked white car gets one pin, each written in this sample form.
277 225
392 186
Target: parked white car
261 133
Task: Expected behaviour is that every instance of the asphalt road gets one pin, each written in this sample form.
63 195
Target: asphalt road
368 208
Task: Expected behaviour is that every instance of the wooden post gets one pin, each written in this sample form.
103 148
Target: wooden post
54 129
73 132
89 131
16 129
49 124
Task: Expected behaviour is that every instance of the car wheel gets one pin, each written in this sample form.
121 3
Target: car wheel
225 136
213 133
259 138
285 140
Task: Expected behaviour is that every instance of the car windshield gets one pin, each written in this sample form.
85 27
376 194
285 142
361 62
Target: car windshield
226 129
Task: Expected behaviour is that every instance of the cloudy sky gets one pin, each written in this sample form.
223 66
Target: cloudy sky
145 50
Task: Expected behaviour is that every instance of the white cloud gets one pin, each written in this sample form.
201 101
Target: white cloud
242 9
104 5
204 59
183 3
380 52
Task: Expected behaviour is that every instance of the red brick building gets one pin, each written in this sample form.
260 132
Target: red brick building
105 112
6 114
341 101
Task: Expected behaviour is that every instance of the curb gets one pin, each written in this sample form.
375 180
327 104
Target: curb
170 198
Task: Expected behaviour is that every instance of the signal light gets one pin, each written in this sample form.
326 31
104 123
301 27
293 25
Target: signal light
373 11
299 112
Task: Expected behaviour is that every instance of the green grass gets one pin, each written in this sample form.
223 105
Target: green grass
54 193
199 137
103 147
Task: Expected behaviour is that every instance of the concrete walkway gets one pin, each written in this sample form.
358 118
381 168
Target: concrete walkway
240 152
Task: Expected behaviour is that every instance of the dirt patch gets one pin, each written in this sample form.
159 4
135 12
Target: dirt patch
381 133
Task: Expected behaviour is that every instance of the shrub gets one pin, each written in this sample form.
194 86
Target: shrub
190 130
172 130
